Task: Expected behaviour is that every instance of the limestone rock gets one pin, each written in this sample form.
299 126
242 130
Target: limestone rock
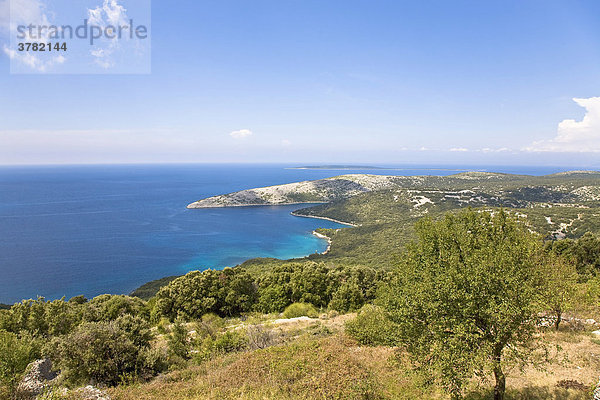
38 377
90 393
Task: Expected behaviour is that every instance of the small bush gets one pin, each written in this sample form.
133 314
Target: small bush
152 361
209 325
227 342
371 327
102 352
179 343
15 353
300 310
260 337
231 341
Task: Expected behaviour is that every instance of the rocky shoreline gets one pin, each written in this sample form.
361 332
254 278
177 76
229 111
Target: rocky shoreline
295 214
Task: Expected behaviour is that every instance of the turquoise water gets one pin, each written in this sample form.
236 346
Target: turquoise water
89 230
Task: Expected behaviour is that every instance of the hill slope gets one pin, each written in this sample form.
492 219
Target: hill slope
565 186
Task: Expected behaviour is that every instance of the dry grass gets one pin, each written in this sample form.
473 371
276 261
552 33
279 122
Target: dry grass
578 360
310 366
326 368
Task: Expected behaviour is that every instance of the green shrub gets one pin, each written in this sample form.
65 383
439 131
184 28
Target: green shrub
227 292
348 297
40 317
231 341
300 310
222 343
152 361
15 353
137 329
179 343
209 325
371 327
109 307
103 352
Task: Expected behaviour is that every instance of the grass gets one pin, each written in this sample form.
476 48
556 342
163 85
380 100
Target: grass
324 368
316 360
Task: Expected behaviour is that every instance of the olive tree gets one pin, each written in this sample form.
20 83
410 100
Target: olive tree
466 297
560 278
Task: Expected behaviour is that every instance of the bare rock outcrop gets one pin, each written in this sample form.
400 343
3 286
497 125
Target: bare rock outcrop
90 393
38 378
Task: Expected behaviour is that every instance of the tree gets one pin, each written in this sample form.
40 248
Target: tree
466 296
560 279
227 292
585 252
348 297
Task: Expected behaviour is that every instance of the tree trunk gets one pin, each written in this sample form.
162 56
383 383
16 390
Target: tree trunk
500 386
558 319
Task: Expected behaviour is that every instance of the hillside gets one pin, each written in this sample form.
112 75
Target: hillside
312 358
562 205
570 187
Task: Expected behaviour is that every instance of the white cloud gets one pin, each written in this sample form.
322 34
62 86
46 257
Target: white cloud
242 133
497 150
111 13
25 12
22 12
461 149
575 136
286 143
34 62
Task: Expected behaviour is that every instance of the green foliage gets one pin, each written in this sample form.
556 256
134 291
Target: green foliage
109 307
209 325
231 341
234 291
136 329
372 327
220 343
149 289
41 318
300 310
78 299
227 292
560 284
179 343
466 296
584 252
104 352
15 353
348 297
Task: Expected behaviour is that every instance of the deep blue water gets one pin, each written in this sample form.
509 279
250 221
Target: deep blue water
89 230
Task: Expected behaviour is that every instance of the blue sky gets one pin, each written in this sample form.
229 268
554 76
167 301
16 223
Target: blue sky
465 82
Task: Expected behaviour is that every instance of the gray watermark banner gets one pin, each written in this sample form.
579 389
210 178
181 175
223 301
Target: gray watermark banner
83 37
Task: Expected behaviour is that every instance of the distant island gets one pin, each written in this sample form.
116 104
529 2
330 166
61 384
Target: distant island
372 167
338 167
474 188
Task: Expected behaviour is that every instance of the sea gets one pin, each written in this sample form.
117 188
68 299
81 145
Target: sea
94 229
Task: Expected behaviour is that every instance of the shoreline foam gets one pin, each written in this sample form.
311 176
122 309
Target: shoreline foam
321 236
325 218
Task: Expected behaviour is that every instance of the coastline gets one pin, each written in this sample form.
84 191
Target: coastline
255 205
325 218
321 236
